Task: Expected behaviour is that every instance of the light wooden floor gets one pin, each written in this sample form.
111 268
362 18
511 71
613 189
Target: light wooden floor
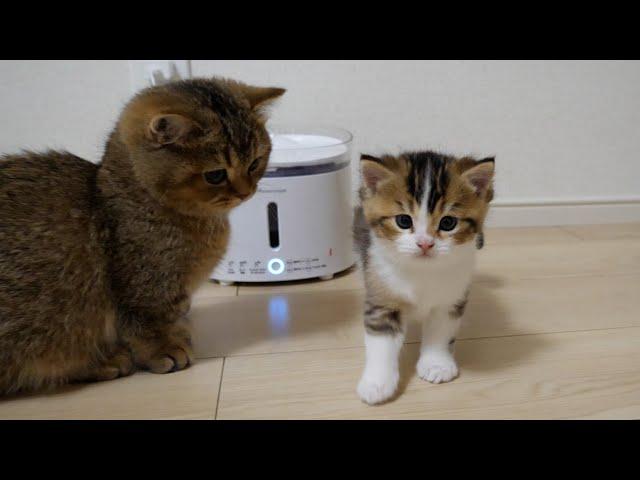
552 331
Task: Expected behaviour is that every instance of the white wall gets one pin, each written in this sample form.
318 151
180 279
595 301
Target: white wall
566 133
60 104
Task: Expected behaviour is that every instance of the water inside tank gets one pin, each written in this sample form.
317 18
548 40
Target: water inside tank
298 149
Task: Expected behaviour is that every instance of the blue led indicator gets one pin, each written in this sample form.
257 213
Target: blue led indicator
275 266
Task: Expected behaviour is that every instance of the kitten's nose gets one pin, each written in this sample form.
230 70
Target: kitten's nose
425 244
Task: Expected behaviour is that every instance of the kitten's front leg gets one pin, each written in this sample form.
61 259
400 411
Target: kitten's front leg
436 363
383 340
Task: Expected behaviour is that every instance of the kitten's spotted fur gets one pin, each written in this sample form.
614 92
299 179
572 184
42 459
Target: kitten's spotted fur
98 262
417 269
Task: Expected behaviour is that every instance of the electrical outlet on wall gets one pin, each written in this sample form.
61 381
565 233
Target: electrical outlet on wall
144 73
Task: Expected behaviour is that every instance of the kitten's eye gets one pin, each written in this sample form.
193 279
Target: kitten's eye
254 165
215 177
404 221
448 223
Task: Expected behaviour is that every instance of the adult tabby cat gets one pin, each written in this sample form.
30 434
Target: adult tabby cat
417 229
98 262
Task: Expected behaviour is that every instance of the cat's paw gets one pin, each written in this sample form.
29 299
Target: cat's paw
123 362
437 368
378 389
170 359
119 365
163 352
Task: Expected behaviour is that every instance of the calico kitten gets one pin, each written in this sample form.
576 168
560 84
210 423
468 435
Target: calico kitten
417 228
98 262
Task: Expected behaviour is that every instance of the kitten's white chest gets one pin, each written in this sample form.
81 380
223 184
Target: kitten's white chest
426 283
441 288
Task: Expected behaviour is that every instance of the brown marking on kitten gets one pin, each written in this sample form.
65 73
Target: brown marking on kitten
98 262
382 320
458 308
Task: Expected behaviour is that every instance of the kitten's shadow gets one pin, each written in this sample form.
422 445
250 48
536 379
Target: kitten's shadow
489 339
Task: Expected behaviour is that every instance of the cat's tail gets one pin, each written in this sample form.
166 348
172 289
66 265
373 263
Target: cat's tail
8 383
17 382
16 376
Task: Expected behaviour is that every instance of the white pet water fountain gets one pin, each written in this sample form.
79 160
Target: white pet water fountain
298 224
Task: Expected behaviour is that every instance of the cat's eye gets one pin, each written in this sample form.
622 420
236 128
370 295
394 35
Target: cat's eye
404 221
216 177
254 165
448 223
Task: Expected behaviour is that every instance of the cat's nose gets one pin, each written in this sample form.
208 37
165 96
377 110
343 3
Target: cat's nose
425 244
242 190
243 193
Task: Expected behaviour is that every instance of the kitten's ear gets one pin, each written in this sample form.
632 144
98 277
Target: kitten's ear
480 176
168 128
373 171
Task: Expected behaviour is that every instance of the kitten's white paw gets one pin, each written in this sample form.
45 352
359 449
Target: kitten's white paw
377 389
437 368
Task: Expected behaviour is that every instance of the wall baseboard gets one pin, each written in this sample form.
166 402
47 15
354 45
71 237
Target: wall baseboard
563 213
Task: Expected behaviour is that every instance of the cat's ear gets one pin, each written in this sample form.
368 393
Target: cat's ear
480 175
256 98
168 128
261 97
373 171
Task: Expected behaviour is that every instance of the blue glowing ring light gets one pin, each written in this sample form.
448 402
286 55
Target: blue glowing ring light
275 266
